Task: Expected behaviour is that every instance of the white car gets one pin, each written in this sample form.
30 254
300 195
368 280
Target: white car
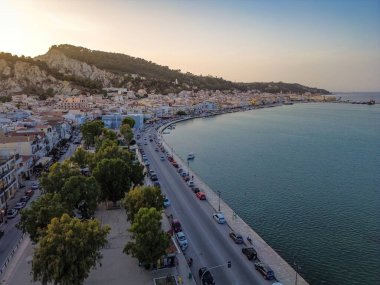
11 213
219 217
181 238
20 205
162 158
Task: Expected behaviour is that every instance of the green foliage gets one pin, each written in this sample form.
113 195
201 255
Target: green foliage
149 241
113 176
53 181
142 197
127 133
82 193
4 99
91 130
129 121
137 174
109 149
35 219
81 157
68 251
181 113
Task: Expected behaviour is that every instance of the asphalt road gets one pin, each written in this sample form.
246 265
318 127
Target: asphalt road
209 242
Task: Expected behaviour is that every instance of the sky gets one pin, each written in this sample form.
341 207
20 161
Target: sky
331 44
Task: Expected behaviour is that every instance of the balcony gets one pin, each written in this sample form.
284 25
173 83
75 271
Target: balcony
5 173
9 185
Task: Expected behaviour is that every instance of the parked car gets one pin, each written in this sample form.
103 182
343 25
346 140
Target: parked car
156 149
24 199
250 252
166 202
156 184
265 270
205 276
11 213
176 226
35 186
180 170
196 190
219 217
191 183
20 205
182 241
29 193
201 196
162 158
237 238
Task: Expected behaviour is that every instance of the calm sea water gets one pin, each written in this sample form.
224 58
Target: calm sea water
359 97
305 177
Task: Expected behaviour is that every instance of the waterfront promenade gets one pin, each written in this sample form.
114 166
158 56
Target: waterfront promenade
283 271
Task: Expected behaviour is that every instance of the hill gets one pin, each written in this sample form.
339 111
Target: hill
71 69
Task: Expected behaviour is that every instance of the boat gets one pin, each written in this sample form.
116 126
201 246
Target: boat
371 102
191 155
166 132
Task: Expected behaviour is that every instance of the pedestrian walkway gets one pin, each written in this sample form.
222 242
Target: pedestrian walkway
117 267
283 271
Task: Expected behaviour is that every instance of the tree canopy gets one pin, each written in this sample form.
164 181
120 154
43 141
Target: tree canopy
142 197
68 251
128 121
149 241
81 157
113 175
91 130
35 219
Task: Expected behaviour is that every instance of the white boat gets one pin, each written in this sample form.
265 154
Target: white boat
191 155
166 132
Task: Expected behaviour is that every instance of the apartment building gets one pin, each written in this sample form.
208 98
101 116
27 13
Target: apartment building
8 180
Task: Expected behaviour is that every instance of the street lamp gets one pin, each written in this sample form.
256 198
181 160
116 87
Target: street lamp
188 168
219 200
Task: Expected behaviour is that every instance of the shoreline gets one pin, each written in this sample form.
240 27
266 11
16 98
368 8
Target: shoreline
283 271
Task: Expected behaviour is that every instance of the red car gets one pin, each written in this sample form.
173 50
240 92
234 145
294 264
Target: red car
201 195
176 226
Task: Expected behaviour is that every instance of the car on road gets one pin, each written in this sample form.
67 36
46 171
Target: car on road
176 226
219 217
11 213
35 186
265 270
196 190
145 143
179 170
191 183
156 149
157 184
237 238
205 276
250 252
201 195
29 193
162 158
20 205
166 202
24 199
146 163
182 241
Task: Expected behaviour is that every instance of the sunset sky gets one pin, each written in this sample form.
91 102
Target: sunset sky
331 44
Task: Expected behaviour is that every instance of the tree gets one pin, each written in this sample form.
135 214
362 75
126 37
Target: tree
127 133
53 181
68 251
35 219
149 241
142 197
137 174
109 149
91 130
181 113
82 193
128 121
81 157
113 178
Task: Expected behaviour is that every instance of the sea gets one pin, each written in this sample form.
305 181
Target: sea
305 177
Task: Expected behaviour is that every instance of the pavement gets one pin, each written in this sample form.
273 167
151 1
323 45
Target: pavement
117 267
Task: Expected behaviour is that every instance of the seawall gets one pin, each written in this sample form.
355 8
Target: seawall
283 271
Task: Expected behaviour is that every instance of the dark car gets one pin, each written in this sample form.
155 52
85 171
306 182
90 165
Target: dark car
265 270
250 252
236 238
205 276
176 226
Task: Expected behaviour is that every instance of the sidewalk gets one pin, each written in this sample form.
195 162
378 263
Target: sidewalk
117 267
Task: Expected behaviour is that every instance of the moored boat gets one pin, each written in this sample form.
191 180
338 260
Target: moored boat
191 155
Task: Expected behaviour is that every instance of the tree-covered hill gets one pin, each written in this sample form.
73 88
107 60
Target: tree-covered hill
162 77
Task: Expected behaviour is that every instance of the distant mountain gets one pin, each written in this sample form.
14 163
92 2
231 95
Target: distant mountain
70 69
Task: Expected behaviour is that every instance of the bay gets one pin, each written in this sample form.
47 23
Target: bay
305 177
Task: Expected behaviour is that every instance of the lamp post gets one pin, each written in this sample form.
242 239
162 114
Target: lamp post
219 200
188 168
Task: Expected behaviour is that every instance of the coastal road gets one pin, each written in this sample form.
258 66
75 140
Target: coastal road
209 242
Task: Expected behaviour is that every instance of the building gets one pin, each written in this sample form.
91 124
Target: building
8 180
75 103
113 121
